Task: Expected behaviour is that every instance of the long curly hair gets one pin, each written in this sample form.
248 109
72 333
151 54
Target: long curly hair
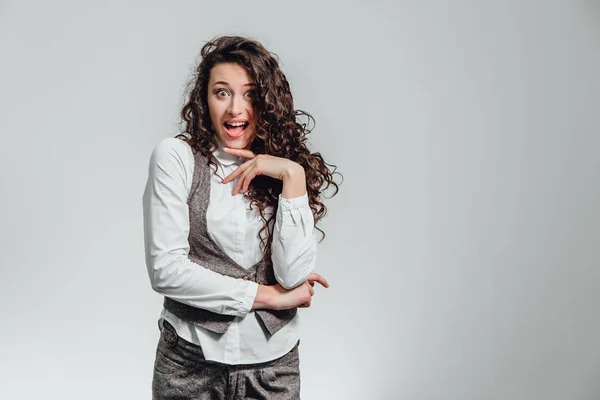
278 129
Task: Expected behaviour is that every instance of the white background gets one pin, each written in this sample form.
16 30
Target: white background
461 249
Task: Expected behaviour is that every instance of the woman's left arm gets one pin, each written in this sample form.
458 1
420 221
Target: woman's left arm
294 248
294 245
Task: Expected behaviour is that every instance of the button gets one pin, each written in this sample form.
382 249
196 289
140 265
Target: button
246 278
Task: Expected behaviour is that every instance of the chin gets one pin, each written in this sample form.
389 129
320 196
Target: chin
241 142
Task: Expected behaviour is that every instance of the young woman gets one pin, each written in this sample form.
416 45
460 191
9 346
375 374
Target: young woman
230 213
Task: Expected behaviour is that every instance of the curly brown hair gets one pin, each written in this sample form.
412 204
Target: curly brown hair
278 130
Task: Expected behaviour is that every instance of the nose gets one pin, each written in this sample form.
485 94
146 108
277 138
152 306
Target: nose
236 106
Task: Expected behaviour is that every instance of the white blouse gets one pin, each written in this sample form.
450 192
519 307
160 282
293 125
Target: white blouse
234 228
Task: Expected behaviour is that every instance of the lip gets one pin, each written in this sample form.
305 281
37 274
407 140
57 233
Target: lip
235 136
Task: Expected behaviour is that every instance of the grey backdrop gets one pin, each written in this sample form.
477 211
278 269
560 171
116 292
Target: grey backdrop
461 250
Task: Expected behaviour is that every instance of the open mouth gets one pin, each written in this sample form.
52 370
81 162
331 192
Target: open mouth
235 129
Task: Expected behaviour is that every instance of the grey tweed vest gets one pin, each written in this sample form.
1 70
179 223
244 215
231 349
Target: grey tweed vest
206 253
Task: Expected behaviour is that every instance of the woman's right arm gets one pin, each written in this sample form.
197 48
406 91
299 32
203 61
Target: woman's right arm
166 230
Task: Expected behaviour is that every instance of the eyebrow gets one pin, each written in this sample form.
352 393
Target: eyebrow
227 84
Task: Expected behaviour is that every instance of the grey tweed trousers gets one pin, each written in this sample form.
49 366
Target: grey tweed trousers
181 372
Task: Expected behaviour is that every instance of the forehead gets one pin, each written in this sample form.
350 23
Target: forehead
233 74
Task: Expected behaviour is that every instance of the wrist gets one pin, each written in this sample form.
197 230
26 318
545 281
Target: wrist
293 171
294 181
266 298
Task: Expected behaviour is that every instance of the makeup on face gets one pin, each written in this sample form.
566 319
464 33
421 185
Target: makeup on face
231 105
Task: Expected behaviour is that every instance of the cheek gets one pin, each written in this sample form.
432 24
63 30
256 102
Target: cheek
252 117
213 110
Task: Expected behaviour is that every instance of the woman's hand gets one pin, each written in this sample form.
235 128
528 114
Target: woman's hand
263 164
300 296
276 297
312 284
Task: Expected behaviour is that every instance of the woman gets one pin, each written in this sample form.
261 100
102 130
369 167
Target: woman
230 213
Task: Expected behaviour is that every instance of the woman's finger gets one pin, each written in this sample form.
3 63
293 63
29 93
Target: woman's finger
237 171
314 277
244 180
311 291
249 175
240 152
239 184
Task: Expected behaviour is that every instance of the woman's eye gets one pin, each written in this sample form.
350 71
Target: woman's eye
250 94
222 93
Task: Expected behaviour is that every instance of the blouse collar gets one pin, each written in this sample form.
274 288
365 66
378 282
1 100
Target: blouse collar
223 157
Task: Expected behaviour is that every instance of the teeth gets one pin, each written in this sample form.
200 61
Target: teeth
236 123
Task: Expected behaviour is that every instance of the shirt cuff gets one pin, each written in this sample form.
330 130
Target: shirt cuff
248 298
293 203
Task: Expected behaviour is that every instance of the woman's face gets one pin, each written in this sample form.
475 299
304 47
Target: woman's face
230 103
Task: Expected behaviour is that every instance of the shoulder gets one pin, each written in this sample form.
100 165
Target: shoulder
175 150
172 146
172 153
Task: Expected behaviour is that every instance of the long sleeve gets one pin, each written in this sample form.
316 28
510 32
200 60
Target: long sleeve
294 248
166 230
